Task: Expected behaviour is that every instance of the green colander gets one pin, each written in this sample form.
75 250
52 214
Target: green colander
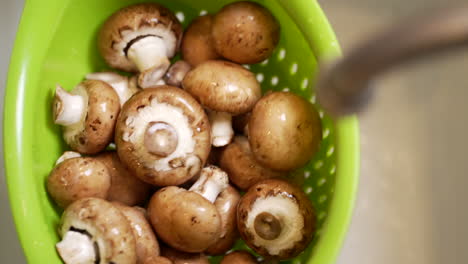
56 43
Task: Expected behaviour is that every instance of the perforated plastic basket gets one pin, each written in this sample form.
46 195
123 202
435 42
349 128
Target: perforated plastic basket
56 43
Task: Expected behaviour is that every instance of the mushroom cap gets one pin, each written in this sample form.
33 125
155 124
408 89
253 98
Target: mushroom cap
146 244
125 187
77 178
285 202
226 203
197 42
240 164
172 106
179 257
131 23
184 220
176 73
107 226
239 257
157 260
223 86
284 131
245 32
95 132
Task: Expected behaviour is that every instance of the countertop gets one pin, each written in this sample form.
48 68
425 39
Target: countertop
411 202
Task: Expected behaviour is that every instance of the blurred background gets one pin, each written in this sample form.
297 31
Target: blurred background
411 203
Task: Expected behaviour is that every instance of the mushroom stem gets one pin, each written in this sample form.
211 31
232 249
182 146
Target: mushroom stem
211 183
118 82
221 128
267 226
67 155
76 248
161 139
68 108
150 56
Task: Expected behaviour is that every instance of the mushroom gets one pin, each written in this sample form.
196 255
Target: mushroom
239 257
188 220
141 38
146 244
276 219
125 187
242 167
245 32
88 114
176 73
197 43
163 136
226 204
157 260
179 257
226 89
76 178
284 131
124 86
94 231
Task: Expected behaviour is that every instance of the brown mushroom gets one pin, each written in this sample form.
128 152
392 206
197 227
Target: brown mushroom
125 187
88 114
226 89
141 38
226 203
176 73
124 86
77 178
276 219
245 32
179 257
197 43
146 244
240 164
239 257
163 136
94 231
284 131
188 220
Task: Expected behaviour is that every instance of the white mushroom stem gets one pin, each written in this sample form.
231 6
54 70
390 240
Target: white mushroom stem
148 52
68 108
67 155
76 248
221 128
118 82
211 183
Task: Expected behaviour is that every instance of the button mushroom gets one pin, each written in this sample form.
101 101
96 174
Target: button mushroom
176 73
188 220
163 136
284 131
224 87
239 257
245 32
146 244
76 178
276 219
88 114
67 155
124 86
125 187
157 260
94 231
178 257
141 38
197 43
240 164
226 204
